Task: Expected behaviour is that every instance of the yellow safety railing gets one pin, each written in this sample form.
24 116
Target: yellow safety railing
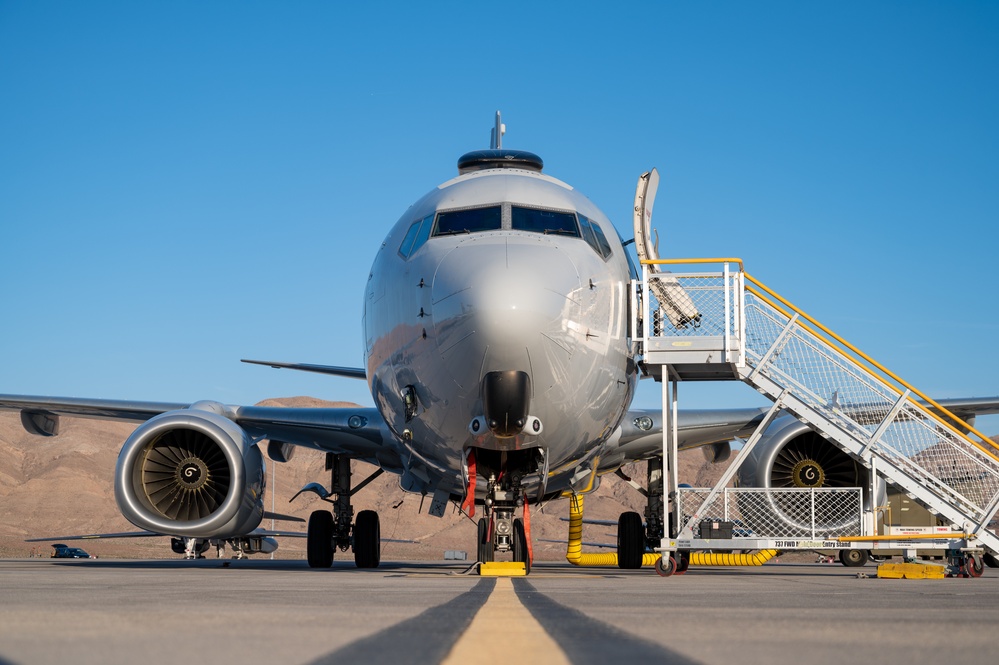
763 294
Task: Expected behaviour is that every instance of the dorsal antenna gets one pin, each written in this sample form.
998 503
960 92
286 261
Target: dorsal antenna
496 135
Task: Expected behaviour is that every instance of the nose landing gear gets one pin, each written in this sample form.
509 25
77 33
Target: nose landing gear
499 531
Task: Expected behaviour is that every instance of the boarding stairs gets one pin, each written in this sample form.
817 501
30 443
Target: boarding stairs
744 331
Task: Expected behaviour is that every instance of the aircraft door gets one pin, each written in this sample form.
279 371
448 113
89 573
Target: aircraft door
674 301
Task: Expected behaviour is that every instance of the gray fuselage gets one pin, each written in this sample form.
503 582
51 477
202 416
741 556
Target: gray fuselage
445 306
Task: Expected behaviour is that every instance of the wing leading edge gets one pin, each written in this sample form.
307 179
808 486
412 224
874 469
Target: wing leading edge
642 433
356 431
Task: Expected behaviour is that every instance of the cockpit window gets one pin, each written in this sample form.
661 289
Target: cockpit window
416 236
469 221
593 234
543 221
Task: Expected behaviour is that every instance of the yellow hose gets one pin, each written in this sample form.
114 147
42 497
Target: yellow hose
709 559
574 549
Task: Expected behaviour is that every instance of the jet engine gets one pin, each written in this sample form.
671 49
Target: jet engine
191 473
792 455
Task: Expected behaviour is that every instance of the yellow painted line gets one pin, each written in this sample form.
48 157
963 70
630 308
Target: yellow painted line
502 622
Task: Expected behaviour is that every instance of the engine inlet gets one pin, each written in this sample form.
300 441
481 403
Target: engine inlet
185 475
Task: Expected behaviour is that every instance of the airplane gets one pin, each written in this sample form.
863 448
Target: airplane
498 355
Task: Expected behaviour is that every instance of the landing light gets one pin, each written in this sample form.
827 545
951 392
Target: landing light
644 423
532 426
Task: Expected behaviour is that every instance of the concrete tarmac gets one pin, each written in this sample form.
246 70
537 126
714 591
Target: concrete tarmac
170 611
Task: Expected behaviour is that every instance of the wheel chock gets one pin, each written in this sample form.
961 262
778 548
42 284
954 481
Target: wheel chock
911 571
503 569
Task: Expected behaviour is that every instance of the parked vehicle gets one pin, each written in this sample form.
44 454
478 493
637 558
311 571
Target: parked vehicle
62 551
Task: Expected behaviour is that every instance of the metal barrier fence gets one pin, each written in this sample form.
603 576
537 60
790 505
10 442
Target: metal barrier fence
778 513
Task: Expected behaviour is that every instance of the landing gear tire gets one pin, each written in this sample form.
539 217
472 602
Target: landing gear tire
665 566
521 551
630 541
854 558
319 539
485 541
973 566
367 540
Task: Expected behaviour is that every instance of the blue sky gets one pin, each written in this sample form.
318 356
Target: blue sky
185 184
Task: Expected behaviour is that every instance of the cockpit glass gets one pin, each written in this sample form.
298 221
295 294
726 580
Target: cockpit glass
593 234
469 221
416 236
543 221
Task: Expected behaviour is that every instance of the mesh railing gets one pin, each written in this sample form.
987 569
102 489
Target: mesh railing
863 405
693 305
777 513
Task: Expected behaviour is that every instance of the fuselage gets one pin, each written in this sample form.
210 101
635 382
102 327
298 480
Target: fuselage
496 319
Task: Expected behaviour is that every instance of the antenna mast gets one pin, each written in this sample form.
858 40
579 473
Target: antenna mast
496 135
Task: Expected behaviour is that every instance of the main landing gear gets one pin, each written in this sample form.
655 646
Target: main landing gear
330 531
634 538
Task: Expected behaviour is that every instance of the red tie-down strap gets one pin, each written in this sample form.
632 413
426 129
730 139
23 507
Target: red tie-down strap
468 505
527 531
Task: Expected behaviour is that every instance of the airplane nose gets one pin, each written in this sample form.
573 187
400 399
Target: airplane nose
494 308
506 401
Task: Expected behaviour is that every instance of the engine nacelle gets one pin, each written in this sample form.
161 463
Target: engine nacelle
791 455
191 473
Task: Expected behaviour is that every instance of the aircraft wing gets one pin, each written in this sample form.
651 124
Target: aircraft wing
967 408
642 429
357 431
707 427
153 534
103 409
100 536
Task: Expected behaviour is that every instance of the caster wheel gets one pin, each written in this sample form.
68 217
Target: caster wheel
665 566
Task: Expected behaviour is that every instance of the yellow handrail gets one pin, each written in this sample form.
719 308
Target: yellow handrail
849 346
653 262
881 368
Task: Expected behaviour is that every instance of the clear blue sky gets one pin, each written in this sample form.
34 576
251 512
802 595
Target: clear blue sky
184 184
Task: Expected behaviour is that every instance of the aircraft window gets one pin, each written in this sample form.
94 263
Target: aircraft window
416 236
469 221
544 221
593 234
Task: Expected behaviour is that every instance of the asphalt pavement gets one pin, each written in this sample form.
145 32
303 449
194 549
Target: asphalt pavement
106 611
